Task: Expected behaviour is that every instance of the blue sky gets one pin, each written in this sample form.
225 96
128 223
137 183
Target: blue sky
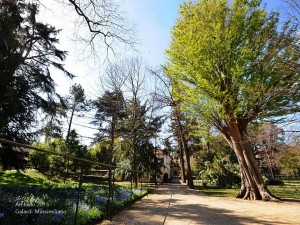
153 21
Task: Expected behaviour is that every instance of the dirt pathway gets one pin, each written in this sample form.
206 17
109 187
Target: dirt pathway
174 204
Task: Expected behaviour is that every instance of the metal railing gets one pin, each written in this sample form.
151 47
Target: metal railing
28 200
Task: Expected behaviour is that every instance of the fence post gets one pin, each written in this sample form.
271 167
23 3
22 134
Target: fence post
78 195
141 179
131 177
147 182
112 195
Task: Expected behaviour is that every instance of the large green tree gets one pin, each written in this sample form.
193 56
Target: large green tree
27 50
110 110
236 63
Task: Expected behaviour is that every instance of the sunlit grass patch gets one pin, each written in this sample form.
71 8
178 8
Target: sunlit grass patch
221 192
285 191
20 178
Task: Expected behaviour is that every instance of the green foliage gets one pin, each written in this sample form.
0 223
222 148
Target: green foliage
230 63
40 161
87 214
230 59
217 165
78 150
55 165
110 108
19 178
75 102
124 169
289 161
61 198
139 129
272 181
220 172
27 50
100 153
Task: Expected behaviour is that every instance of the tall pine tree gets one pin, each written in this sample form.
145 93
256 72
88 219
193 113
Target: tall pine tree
27 50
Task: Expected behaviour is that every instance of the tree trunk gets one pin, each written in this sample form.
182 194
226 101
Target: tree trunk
183 178
155 162
110 159
71 120
252 184
67 142
183 141
188 164
135 167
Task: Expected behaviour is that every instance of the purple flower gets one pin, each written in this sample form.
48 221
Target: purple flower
57 218
98 197
85 207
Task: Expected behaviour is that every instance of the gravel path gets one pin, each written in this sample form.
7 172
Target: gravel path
174 204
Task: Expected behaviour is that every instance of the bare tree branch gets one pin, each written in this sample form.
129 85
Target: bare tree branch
293 10
99 25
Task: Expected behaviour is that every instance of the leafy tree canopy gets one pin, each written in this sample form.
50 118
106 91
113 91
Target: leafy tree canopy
231 62
234 60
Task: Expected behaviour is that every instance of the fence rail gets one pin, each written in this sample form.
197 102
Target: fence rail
69 204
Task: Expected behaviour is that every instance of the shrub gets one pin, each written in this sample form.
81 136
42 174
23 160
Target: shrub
272 181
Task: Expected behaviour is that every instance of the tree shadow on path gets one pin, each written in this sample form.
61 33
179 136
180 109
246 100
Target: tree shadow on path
174 204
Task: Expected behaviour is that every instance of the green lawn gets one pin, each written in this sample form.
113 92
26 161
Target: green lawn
20 178
286 191
279 191
220 192
33 177
291 181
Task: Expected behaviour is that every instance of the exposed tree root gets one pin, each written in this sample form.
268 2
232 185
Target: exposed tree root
249 194
266 196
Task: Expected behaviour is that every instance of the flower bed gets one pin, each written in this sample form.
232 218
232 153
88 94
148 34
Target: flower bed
42 206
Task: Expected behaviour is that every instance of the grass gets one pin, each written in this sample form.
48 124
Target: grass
127 185
291 181
216 192
285 191
20 178
31 177
291 192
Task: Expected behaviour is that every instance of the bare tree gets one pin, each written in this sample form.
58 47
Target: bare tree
99 25
135 75
293 9
129 75
181 130
267 140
